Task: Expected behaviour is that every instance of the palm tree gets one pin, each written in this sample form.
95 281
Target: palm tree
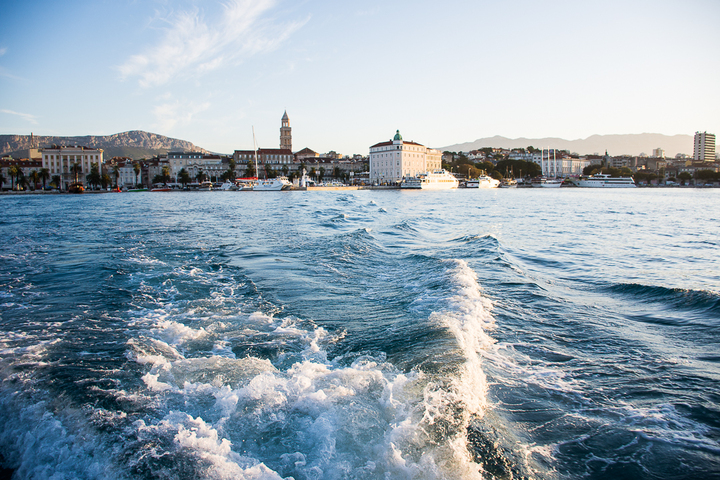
322 174
231 169
2 179
44 175
184 177
14 172
57 181
76 168
136 168
165 174
34 178
116 173
200 177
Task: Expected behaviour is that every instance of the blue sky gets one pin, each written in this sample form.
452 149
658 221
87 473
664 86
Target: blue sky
350 73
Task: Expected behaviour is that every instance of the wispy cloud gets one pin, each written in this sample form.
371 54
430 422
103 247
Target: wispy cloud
172 113
192 45
3 51
25 116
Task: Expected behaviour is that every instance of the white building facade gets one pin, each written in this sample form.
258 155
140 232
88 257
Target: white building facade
394 160
59 159
704 150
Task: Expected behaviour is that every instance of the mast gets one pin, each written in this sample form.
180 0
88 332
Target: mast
257 172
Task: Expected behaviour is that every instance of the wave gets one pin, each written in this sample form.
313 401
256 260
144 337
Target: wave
698 301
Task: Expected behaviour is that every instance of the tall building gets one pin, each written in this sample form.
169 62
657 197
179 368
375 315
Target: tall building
396 159
285 133
704 147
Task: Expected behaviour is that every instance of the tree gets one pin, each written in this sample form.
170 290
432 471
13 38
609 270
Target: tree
250 169
34 178
201 176
106 181
706 175
94 178
57 181
312 172
14 171
285 170
184 177
116 173
44 175
684 177
136 169
321 174
165 174
2 178
76 168
337 173
231 168
592 169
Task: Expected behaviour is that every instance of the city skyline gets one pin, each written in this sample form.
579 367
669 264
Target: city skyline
351 75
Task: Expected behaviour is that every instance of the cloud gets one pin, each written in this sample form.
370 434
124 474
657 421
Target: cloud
3 51
170 114
192 46
25 116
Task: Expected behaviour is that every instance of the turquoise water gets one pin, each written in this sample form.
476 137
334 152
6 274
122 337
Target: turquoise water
506 334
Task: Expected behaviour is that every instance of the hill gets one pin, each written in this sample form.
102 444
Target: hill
135 144
632 144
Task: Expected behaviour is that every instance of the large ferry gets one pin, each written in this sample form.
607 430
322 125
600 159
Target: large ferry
603 180
437 180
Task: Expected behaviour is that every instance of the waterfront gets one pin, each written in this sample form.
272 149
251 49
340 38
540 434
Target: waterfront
359 334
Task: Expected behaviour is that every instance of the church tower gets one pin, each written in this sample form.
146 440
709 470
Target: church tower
285 133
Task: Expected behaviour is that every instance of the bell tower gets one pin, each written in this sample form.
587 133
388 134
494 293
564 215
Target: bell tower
285 133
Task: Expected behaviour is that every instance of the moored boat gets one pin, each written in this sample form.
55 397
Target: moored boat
603 180
76 187
543 182
272 185
437 180
483 181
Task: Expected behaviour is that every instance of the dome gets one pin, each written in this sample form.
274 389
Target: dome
398 137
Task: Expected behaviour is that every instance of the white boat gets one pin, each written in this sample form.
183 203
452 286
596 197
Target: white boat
508 183
437 180
483 181
543 182
272 185
228 186
603 180
205 186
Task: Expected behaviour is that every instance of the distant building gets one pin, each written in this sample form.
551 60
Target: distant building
58 160
658 153
704 147
285 133
396 159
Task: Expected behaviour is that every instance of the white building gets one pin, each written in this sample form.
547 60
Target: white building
704 147
59 159
396 159
556 166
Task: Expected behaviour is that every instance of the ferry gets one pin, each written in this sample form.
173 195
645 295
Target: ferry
437 180
603 180
483 181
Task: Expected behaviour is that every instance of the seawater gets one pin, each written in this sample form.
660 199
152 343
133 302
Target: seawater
463 334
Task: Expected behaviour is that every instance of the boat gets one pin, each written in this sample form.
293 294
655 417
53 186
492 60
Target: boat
205 186
483 181
269 184
543 182
76 187
437 180
228 186
272 185
603 180
160 187
138 190
508 183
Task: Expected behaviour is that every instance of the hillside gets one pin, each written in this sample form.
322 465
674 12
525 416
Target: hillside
135 144
633 144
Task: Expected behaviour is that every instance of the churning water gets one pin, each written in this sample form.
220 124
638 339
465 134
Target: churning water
464 334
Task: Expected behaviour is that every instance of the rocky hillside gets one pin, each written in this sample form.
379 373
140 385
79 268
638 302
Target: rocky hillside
135 144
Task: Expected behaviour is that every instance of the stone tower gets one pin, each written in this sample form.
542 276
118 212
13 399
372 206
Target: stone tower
285 133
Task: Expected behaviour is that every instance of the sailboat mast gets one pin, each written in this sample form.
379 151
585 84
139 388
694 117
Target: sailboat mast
257 173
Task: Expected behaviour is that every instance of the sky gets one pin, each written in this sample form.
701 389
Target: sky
349 74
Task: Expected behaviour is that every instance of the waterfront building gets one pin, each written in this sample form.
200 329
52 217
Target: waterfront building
58 159
285 133
704 150
194 163
557 164
26 165
396 159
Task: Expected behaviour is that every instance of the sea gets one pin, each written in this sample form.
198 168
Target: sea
375 334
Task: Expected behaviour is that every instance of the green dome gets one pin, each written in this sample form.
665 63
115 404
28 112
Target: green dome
398 137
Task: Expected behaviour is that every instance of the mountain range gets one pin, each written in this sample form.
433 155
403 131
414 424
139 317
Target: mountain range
631 144
135 144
